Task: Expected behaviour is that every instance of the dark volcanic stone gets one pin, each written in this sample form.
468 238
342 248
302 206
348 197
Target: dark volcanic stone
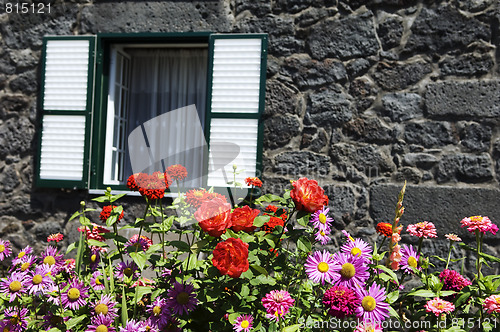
429 134
15 136
302 163
328 108
390 32
399 76
475 137
279 130
280 99
366 159
402 106
465 168
467 65
420 160
311 74
370 130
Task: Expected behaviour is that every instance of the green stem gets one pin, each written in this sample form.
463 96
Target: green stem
449 255
143 220
118 245
420 241
162 230
479 240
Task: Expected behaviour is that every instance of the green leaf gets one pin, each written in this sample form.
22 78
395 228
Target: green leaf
116 197
389 272
259 269
71 247
423 293
245 291
197 246
446 293
392 297
139 259
303 218
303 244
462 299
181 245
74 321
101 199
167 223
124 308
96 243
393 312
292 328
261 220
268 198
141 291
262 279
76 214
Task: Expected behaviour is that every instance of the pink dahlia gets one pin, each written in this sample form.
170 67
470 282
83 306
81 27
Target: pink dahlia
483 224
277 303
452 280
373 307
422 229
321 267
439 306
341 301
492 304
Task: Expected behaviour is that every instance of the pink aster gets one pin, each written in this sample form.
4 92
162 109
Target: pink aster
368 327
409 259
321 267
453 237
321 220
322 236
25 263
5 249
25 251
159 312
97 281
75 295
133 326
373 307
53 258
243 323
101 323
39 281
353 272
341 301
492 304
105 306
358 248
15 285
482 224
17 318
439 306
277 303
182 298
422 229
452 280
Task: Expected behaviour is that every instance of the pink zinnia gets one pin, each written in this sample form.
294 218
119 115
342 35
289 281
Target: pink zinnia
422 229
341 301
483 224
277 303
55 237
453 237
492 304
452 280
439 306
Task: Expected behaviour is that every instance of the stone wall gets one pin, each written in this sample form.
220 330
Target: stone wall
361 95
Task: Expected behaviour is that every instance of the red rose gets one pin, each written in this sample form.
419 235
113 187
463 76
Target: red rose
231 257
106 213
214 216
308 195
242 219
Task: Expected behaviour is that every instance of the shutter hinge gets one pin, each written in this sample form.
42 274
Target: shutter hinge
99 57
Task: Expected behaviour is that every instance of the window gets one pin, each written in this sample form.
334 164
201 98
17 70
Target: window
100 91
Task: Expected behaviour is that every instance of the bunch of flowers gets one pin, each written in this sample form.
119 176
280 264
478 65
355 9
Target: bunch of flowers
215 266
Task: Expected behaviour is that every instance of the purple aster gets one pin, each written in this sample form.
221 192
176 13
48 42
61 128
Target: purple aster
409 259
18 318
322 236
101 323
373 307
14 285
24 263
5 249
53 258
181 298
243 323
133 326
321 267
39 281
97 281
53 294
95 256
127 269
357 247
149 326
26 251
159 311
341 301
53 321
75 295
353 272
106 307
321 220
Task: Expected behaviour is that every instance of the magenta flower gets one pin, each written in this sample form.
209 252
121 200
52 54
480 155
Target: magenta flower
25 251
353 272
321 220
243 323
439 306
277 303
97 281
159 311
357 247
133 326
422 229
181 298
39 281
25 262
101 323
409 259
17 317
127 269
321 267
492 304
139 243
452 280
14 285
482 224
341 301
322 236
5 249
75 295
368 327
373 307
53 258
106 307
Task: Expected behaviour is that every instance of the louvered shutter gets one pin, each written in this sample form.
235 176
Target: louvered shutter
66 109
237 73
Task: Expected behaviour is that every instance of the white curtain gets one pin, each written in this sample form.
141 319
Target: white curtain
164 80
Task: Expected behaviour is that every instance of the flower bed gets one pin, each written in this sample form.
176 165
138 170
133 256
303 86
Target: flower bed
258 266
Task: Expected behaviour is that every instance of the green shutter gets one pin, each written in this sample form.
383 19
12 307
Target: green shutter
66 102
236 94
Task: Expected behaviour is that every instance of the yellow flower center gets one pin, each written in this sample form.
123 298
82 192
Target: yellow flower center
74 294
15 286
369 303
2 248
5 329
98 281
127 271
37 279
50 260
356 251
101 328
25 266
245 324
93 258
322 218
498 300
412 262
21 254
14 319
156 310
348 271
182 298
322 233
101 308
198 194
323 267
